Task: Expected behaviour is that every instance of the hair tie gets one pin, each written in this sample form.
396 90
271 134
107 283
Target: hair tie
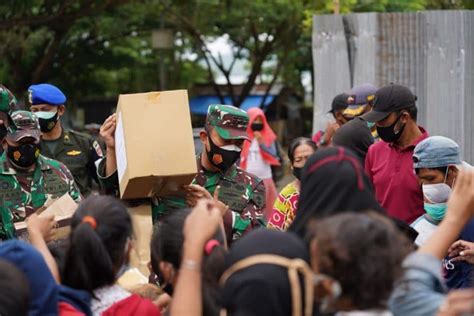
90 220
210 245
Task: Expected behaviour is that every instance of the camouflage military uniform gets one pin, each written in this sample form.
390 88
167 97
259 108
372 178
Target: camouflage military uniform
241 191
79 153
23 192
7 105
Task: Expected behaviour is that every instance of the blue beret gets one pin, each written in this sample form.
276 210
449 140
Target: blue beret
46 93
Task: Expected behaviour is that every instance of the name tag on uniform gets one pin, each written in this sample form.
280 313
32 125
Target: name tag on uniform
73 153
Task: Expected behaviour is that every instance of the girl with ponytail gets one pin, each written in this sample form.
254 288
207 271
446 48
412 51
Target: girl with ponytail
99 249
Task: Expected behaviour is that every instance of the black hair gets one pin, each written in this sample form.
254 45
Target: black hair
412 110
167 245
58 249
295 143
14 290
367 245
95 254
443 170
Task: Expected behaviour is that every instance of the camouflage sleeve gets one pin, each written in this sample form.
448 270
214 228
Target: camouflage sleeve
108 185
161 207
253 215
73 191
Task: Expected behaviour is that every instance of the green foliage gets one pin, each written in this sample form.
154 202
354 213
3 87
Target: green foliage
102 48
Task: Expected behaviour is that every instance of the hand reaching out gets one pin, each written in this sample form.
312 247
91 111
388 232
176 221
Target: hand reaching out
203 222
42 227
196 192
462 251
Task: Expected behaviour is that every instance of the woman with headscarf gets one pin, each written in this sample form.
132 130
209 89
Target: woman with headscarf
260 153
333 182
268 273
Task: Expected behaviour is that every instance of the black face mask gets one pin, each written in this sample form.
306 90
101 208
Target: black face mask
298 172
221 158
387 134
47 125
257 127
23 156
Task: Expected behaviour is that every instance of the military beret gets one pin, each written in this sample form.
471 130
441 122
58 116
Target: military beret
45 93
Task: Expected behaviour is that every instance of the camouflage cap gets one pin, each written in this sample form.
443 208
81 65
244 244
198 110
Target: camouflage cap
25 124
7 100
229 122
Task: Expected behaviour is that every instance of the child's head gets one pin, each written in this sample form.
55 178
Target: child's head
101 230
363 252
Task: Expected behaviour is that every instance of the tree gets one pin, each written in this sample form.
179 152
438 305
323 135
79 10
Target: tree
258 31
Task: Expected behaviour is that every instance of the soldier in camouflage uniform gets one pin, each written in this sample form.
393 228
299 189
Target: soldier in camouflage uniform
7 105
242 192
77 151
28 179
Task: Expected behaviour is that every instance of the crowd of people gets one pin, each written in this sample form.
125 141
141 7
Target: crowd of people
378 220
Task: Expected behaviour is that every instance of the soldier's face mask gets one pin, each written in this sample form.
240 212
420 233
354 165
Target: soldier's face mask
222 157
25 155
47 120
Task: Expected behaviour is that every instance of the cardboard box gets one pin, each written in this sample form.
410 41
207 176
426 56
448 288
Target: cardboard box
154 144
142 230
62 208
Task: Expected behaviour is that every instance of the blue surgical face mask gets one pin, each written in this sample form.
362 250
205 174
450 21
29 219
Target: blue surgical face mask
436 211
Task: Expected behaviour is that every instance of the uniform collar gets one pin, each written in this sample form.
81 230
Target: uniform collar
7 169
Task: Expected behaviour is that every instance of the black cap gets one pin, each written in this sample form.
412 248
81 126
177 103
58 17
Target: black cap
388 99
339 102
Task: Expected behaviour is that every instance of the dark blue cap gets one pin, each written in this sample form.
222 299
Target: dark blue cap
45 93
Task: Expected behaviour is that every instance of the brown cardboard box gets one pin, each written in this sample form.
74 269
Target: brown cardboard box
154 144
62 208
142 230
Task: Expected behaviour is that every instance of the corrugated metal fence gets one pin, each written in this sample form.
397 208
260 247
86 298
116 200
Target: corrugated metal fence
431 52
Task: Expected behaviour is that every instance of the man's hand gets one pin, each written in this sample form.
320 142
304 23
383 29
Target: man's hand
107 131
196 192
42 227
331 129
462 251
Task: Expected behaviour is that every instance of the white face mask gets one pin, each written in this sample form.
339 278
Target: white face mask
437 193
45 115
231 148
